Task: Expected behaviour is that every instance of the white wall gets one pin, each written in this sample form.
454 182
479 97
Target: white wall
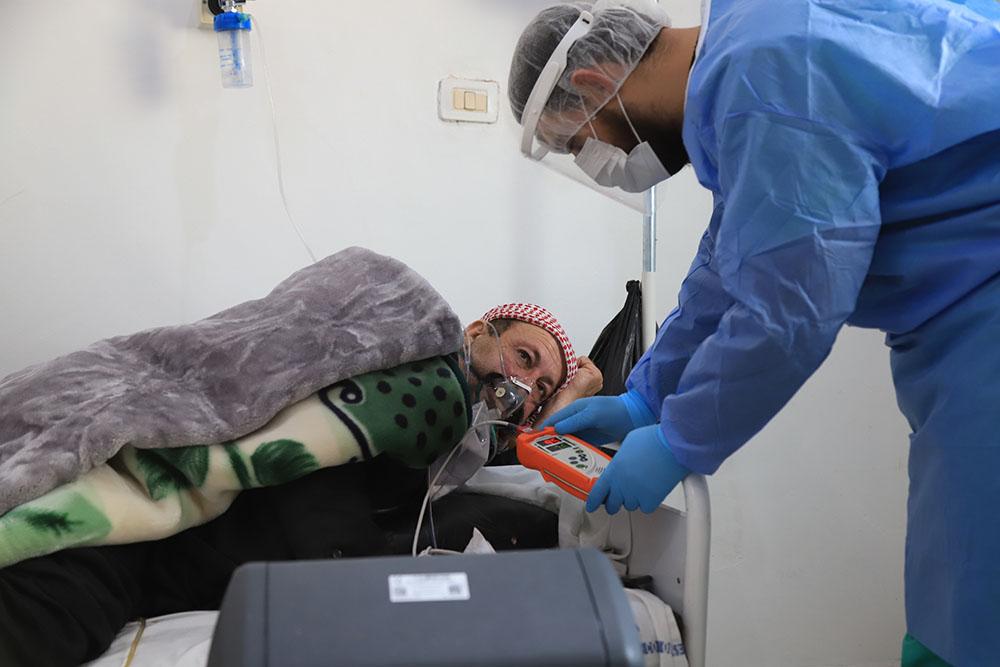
136 192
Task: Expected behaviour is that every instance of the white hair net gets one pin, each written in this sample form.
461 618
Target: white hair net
620 35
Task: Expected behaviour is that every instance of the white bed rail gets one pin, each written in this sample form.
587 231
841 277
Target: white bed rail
699 533
673 546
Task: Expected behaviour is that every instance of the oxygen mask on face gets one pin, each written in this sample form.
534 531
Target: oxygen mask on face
497 408
488 378
491 382
506 395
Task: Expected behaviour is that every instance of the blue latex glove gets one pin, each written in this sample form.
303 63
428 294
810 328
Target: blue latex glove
602 419
640 475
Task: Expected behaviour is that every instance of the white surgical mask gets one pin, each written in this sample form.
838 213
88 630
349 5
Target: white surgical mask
609 165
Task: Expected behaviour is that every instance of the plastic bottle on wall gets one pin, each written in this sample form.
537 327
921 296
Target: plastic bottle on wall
233 29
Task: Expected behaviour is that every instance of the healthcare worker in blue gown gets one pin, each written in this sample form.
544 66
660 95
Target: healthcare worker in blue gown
853 150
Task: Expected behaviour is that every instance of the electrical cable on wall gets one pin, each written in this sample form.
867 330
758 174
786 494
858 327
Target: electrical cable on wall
277 146
233 28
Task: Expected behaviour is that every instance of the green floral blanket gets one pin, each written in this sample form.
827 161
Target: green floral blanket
412 413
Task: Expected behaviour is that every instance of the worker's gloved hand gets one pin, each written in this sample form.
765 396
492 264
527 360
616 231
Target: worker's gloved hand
640 475
602 419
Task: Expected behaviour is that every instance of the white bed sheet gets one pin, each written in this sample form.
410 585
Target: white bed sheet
176 640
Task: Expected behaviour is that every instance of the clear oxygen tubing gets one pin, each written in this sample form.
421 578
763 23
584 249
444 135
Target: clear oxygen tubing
496 335
430 520
444 466
467 353
277 143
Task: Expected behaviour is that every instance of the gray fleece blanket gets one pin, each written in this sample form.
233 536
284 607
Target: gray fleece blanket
220 378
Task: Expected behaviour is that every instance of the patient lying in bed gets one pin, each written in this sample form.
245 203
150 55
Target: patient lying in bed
338 474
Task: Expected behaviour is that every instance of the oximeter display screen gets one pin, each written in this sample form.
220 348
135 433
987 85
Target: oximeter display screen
556 447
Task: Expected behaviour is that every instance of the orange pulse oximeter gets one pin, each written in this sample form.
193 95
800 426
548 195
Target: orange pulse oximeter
565 460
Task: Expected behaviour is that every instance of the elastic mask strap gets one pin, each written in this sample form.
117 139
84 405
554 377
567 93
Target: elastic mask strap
627 119
590 118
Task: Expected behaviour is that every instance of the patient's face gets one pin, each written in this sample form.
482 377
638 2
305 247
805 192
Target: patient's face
530 354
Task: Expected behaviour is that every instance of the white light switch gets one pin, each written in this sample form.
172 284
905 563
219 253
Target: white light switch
468 100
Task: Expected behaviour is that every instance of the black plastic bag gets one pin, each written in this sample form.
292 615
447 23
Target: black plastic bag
619 346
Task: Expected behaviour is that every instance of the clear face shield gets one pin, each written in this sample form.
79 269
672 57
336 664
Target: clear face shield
532 126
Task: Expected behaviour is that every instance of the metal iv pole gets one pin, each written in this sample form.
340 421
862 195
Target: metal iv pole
649 270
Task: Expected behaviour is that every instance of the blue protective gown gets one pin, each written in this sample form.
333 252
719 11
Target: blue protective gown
853 149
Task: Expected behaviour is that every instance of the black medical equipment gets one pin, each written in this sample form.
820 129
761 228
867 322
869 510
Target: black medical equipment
216 6
531 608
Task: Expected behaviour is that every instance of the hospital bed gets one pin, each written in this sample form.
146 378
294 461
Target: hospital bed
671 546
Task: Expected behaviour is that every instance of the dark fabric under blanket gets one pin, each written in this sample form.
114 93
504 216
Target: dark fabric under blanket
67 607
220 378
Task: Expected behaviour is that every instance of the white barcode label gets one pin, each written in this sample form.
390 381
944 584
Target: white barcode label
432 587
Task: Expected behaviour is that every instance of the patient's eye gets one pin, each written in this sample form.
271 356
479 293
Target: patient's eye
525 357
543 392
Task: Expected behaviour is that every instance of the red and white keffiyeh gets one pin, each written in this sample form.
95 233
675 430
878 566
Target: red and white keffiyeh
540 317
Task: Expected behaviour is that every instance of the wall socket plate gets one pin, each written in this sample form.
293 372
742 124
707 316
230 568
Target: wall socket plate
207 18
468 100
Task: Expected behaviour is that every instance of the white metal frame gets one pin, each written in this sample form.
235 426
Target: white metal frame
649 270
673 547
